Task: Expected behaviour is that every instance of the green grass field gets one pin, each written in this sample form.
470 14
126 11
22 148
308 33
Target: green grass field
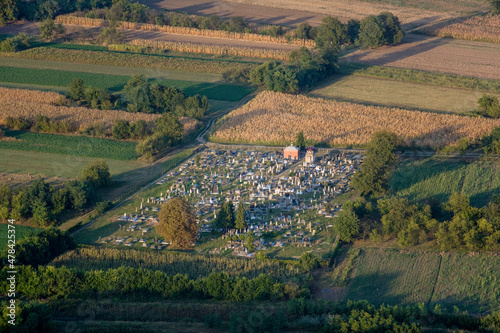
70 145
61 78
401 94
21 233
435 178
57 165
388 276
109 70
104 226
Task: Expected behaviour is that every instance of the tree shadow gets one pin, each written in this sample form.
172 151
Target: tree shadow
407 49
377 288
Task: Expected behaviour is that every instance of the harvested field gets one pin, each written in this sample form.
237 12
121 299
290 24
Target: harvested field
466 58
30 103
274 118
292 13
483 28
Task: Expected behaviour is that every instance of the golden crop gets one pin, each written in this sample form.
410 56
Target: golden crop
480 28
69 19
275 118
30 103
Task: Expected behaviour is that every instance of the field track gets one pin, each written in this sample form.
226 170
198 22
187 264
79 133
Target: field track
434 54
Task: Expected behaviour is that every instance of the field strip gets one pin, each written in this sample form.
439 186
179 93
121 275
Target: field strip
370 90
111 70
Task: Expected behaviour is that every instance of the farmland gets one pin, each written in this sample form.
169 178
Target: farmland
172 263
82 55
441 55
482 28
413 96
70 145
29 103
60 78
272 118
291 12
409 277
438 179
60 166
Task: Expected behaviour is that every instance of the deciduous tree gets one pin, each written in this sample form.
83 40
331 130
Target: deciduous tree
178 223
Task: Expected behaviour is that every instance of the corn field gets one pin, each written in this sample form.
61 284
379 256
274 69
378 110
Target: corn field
173 263
211 49
89 22
276 118
478 28
30 103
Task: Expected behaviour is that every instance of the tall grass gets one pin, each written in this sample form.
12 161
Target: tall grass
194 265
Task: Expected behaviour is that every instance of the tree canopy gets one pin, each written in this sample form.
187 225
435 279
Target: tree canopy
374 174
178 223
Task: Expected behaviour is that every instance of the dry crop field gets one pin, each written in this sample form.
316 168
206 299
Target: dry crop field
466 58
275 118
30 103
483 28
89 22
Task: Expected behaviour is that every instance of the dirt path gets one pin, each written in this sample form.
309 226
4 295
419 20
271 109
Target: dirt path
436 54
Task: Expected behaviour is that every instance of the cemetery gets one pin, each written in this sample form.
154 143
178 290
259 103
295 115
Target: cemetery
290 202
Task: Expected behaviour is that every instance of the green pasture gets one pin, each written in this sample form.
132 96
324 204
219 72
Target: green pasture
438 179
69 145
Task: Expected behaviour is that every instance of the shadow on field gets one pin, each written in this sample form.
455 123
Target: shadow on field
408 49
378 288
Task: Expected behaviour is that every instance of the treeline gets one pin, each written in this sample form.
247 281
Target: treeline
40 124
304 68
30 316
171 263
40 10
139 283
301 73
18 43
140 95
41 248
44 204
453 225
361 316
411 224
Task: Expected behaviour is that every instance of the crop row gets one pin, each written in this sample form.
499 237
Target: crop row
78 55
89 22
213 49
277 118
174 263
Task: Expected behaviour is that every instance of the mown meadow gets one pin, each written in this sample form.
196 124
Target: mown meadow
69 145
51 77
